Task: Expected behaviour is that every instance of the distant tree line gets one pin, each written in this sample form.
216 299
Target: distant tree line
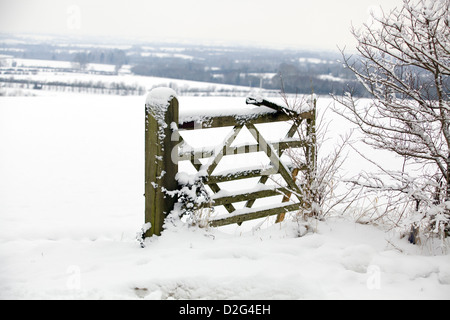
100 87
82 57
299 71
295 80
115 57
294 77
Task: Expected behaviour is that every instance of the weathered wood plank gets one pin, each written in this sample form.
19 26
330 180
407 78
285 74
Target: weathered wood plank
282 169
200 153
262 180
229 206
160 170
213 162
287 196
238 175
250 195
231 121
253 214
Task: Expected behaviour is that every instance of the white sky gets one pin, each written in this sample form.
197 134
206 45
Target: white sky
310 24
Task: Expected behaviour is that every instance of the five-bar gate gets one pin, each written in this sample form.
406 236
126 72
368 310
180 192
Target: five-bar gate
164 147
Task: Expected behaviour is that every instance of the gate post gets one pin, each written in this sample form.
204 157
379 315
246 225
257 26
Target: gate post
161 119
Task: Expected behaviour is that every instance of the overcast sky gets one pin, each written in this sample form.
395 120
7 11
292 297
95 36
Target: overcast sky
311 24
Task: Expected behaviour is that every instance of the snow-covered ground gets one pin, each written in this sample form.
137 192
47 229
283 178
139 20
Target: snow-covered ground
56 72
71 203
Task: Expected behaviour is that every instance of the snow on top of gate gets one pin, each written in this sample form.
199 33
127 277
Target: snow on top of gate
237 110
160 97
254 106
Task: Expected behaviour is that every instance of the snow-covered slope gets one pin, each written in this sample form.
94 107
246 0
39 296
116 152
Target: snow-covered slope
336 260
72 173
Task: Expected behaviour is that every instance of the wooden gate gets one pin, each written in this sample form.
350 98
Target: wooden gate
165 147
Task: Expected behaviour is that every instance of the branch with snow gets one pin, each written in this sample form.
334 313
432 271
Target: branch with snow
403 62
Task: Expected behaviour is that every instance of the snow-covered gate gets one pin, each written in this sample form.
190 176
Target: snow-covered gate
166 188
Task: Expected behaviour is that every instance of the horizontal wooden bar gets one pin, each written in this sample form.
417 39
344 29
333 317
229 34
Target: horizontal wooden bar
201 153
231 121
249 196
238 175
253 214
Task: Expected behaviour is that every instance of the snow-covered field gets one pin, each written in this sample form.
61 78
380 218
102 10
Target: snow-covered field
71 203
55 72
